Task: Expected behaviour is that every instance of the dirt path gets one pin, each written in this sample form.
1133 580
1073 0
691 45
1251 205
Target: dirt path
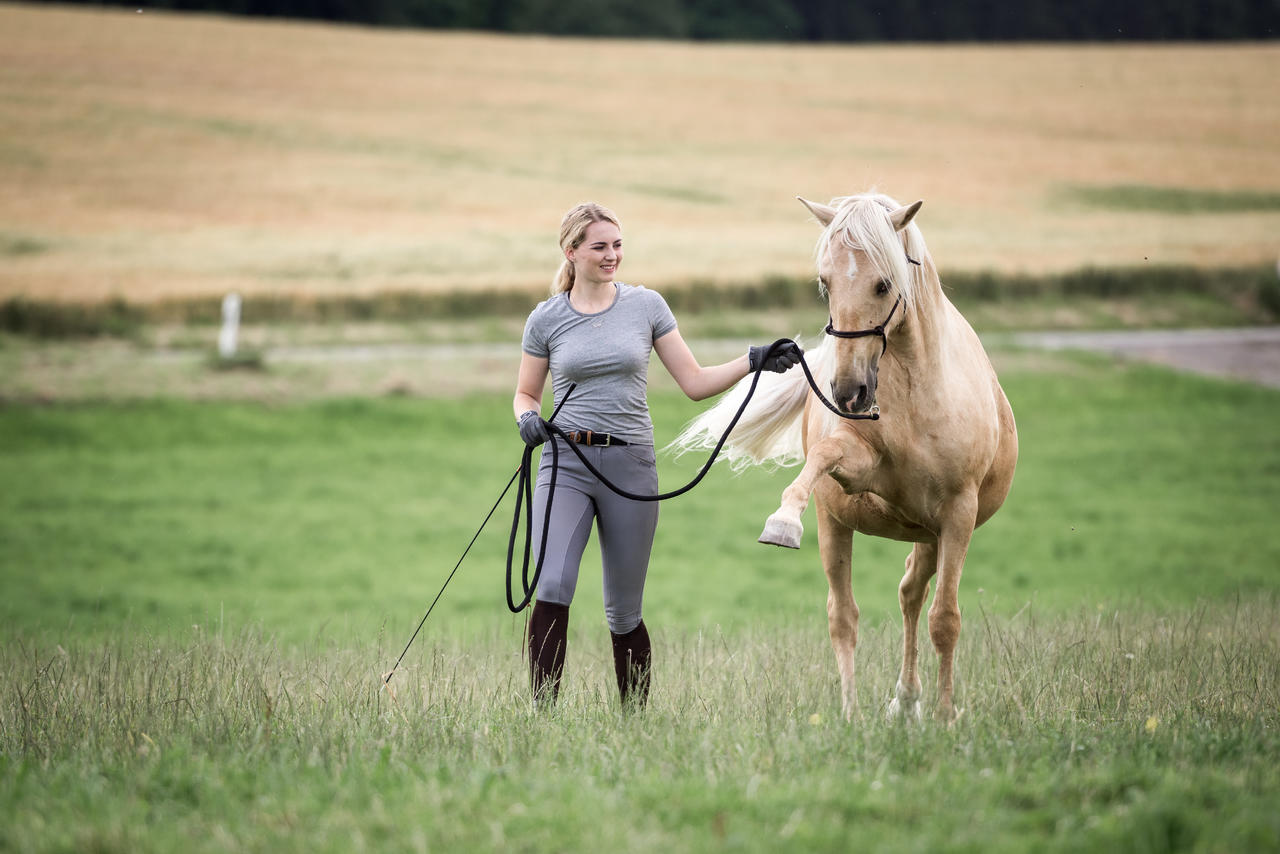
1248 353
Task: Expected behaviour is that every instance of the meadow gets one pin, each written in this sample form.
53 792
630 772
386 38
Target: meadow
201 596
206 568
150 157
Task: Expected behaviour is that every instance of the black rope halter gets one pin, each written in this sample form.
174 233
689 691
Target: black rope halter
877 330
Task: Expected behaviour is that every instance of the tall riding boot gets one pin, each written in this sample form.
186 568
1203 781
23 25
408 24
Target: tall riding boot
632 661
548 629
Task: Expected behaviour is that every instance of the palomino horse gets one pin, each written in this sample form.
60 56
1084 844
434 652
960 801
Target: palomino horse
937 463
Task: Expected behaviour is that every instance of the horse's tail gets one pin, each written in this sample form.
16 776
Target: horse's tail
769 431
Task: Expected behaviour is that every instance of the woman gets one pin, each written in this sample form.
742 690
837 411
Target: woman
598 333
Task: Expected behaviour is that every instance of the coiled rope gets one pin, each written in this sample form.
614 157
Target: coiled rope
524 494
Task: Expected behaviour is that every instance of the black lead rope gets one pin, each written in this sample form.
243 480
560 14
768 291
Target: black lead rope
523 467
524 491
524 495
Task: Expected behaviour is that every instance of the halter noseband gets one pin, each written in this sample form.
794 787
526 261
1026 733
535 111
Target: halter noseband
878 330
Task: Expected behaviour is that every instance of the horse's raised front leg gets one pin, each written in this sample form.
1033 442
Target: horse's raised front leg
922 564
944 614
838 454
835 542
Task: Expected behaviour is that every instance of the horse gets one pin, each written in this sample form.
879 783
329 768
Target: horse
929 458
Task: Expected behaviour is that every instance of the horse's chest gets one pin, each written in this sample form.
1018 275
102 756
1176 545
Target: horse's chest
869 513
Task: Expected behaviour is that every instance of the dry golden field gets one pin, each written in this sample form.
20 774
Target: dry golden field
151 155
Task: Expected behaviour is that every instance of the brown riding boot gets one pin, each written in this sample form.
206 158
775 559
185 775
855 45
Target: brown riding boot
632 662
548 629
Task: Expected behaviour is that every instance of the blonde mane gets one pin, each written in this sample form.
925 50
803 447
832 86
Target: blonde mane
861 223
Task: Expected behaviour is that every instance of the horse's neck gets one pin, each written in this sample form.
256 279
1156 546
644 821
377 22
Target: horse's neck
925 334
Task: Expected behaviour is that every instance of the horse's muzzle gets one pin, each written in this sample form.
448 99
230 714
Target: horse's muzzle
855 395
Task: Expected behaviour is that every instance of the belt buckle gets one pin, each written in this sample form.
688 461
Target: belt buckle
608 440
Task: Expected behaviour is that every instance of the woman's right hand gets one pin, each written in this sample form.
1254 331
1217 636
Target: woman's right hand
785 357
533 429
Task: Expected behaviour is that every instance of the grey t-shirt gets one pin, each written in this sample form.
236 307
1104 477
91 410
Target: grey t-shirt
606 354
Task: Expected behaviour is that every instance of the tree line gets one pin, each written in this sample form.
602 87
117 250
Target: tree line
790 20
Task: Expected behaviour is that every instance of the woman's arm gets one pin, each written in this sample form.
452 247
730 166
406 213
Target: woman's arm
694 380
530 384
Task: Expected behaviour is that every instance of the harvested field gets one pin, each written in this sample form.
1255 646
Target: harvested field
157 156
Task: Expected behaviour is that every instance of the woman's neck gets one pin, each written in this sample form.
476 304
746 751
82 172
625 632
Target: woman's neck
592 297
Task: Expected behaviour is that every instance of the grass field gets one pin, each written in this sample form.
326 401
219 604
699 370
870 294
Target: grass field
199 598
334 515
152 156
1087 732
205 571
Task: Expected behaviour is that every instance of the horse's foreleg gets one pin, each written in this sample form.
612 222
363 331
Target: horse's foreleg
944 613
835 541
922 564
783 527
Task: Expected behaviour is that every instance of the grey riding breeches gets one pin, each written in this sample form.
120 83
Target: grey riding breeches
625 527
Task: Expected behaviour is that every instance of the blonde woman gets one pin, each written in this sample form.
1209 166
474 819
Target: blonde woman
598 333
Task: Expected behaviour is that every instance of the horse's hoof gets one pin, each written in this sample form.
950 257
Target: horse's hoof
908 712
948 715
781 532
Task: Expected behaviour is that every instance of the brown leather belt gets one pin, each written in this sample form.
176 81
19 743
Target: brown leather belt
588 437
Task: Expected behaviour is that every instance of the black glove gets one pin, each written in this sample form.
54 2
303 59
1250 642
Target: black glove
533 429
784 357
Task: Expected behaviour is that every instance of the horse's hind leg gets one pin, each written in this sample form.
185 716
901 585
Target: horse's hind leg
835 542
922 564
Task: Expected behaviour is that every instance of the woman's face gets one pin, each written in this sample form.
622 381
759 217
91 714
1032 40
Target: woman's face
599 256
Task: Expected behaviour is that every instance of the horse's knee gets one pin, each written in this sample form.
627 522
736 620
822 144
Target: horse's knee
842 620
944 628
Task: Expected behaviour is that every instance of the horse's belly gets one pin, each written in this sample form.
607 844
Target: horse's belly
868 513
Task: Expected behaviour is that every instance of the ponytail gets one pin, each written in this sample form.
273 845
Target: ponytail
563 280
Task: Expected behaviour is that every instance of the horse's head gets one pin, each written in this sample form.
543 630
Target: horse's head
864 271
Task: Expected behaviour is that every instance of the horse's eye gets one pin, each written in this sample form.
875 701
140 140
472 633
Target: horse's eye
882 288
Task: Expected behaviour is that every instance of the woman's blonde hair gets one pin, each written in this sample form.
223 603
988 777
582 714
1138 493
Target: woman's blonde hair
573 230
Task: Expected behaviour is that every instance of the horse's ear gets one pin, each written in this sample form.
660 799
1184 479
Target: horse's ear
821 213
902 216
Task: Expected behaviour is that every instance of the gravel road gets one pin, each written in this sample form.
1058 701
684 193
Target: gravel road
1251 353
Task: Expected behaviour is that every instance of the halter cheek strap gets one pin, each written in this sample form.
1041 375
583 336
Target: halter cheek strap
878 330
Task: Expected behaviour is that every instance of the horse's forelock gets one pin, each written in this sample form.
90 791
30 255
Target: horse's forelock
862 222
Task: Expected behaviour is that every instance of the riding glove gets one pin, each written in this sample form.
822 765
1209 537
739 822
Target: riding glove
533 429
784 357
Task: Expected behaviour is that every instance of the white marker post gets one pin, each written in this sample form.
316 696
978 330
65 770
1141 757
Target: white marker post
230 326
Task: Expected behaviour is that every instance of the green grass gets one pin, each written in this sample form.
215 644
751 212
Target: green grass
1130 732
1135 484
199 598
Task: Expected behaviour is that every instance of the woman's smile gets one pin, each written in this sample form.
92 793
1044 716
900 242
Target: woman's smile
599 255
